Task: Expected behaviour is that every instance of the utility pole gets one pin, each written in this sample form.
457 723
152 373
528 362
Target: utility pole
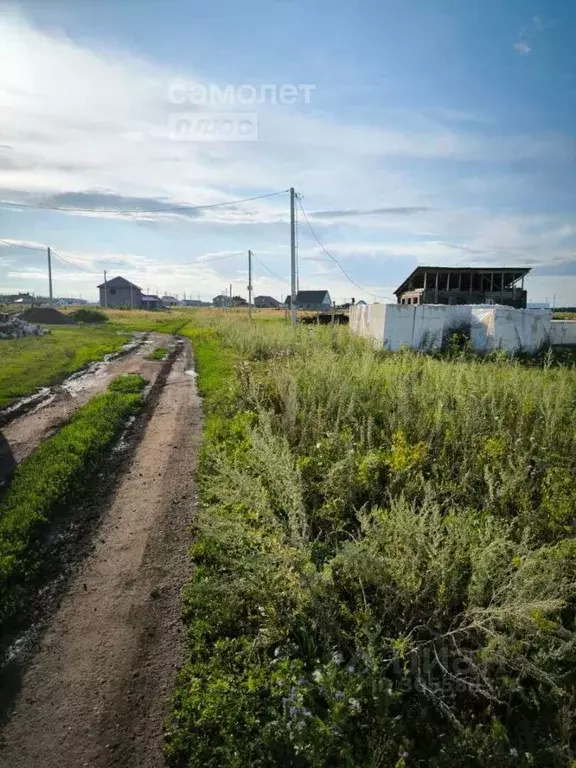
293 312
105 290
50 276
230 304
250 285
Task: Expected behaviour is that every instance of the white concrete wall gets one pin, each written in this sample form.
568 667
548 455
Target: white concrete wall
392 326
563 332
509 329
422 326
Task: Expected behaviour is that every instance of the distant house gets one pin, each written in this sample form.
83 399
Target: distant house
221 301
120 292
170 301
20 298
194 303
151 302
65 302
318 301
266 302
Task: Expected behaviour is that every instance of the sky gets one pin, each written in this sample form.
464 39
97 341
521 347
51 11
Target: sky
438 133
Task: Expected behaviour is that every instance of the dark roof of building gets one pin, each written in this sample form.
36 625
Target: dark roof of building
311 297
267 298
119 282
516 273
150 297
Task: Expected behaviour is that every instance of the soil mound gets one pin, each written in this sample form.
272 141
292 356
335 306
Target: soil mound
46 316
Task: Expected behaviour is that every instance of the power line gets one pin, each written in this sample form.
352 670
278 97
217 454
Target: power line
335 260
175 209
204 260
39 248
70 263
275 274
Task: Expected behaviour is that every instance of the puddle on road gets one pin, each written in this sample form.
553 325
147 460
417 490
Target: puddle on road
77 382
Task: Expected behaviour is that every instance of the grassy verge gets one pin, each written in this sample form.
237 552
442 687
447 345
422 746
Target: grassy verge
384 559
53 477
34 362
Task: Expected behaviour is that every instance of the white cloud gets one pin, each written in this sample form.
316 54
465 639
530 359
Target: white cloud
528 33
522 48
87 120
80 122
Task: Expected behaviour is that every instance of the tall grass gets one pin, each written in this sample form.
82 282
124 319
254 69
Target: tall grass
385 562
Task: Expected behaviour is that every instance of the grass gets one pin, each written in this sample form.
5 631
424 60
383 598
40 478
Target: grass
53 478
158 354
384 559
128 383
140 320
34 362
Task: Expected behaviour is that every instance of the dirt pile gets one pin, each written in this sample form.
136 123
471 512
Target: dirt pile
46 316
12 327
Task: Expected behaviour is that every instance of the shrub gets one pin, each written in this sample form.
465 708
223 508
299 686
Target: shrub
88 316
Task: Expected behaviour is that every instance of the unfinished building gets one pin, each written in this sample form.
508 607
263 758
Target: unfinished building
465 285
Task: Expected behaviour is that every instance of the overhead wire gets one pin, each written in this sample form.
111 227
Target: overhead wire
275 274
335 260
71 263
170 209
26 247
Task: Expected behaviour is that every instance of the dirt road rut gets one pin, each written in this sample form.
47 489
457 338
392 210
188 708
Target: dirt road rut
25 433
96 692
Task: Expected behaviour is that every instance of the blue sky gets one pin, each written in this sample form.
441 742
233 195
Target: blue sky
439 133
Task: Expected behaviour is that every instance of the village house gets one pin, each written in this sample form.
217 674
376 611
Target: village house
266 302
318 301
120 293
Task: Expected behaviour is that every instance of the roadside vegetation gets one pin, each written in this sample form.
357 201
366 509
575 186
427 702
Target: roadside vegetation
384 560
40 361
53 478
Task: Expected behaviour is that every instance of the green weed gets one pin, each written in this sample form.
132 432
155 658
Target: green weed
384 558
158 354
128 383
52 478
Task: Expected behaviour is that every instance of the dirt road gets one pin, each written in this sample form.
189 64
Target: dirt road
25 433
96 692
